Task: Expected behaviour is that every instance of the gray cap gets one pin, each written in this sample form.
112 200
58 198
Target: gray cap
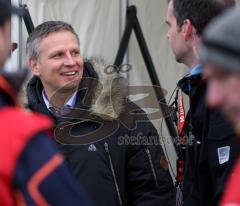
221 41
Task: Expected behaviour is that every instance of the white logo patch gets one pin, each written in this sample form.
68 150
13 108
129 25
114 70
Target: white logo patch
92 148
223 154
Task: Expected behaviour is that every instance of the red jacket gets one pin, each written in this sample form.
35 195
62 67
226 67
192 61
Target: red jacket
232 193
32 172
16 130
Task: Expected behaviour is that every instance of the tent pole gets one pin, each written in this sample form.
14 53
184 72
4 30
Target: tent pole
123 6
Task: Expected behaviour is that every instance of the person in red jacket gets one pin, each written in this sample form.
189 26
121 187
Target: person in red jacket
220 55
32 172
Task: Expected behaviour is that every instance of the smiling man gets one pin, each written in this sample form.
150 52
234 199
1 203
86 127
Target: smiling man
112 171
60 64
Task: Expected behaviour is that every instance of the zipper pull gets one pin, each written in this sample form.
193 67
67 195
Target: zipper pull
113 174
106 147
152 167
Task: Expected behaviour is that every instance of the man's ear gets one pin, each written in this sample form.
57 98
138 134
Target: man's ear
33 65
187 29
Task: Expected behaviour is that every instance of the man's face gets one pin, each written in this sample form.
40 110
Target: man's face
59 63
5 42
223 91
174 35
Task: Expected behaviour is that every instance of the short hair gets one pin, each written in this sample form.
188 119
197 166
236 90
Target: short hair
42 31
199 12
6 11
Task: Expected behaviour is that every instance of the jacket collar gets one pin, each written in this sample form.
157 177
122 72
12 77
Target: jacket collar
10 84
103 91
190 82
35 100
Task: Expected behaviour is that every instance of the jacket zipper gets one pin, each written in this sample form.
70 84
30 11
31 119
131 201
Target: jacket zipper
113 173
152 167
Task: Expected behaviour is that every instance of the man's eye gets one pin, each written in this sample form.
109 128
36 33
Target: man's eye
75 53
57 55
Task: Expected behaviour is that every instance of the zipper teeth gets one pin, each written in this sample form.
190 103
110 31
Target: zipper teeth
113 173
152 167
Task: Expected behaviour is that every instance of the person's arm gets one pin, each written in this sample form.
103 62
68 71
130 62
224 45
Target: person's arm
149 180
41 177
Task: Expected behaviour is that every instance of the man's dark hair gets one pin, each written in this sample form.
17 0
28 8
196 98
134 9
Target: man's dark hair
5 14
199 12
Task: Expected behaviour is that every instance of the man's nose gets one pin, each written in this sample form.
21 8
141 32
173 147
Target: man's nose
215 95
69 60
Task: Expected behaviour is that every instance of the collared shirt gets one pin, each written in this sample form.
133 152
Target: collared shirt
196 70
189 81
69 104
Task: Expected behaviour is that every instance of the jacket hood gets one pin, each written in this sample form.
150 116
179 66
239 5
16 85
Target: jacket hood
106 91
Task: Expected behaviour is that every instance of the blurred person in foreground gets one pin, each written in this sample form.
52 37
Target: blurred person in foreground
220 55
31 170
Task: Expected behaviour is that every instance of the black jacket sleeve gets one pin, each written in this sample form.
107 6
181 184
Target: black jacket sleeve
149 180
